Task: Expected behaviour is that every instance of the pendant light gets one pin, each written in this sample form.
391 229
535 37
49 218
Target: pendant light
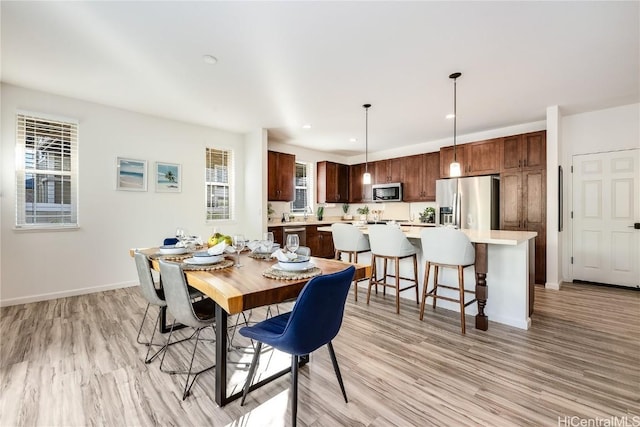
454 167
366 178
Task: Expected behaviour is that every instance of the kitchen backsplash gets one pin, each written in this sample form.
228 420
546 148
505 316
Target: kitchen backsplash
398 210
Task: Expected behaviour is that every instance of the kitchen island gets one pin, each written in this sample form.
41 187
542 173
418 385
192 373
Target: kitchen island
503 275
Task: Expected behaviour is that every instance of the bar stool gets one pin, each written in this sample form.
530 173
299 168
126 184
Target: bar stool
389 243
447 248
348 239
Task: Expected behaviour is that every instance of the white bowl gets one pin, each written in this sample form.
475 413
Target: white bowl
172 250
210 259
298 264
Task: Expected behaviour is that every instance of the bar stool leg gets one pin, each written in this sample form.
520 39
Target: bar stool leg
415 277
461 286
397 272
435 284
425 284
372 278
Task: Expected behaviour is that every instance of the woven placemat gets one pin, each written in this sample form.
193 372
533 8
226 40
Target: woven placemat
273 273
258 255
172 257
217 266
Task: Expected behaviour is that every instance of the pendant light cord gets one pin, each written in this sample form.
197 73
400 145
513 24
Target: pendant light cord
455 117
366 137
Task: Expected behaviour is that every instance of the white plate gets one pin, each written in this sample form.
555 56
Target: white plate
171 250
295 267
203 260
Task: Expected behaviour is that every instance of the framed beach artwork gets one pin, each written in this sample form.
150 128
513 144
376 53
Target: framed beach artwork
131 174
168 177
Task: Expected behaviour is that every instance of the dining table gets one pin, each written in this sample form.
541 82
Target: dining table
236 289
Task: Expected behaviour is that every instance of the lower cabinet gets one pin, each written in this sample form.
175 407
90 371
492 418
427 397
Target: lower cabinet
320 242
277 235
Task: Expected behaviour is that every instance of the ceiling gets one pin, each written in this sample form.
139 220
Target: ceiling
285 64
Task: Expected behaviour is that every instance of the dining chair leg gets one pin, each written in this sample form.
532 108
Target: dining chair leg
294 390
336 368
251 373
148 359
141 325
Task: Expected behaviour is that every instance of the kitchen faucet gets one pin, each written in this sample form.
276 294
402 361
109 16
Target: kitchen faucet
307 211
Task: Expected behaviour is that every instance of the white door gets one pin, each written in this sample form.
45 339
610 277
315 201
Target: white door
606 207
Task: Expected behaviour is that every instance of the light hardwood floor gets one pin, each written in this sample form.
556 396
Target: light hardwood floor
74 362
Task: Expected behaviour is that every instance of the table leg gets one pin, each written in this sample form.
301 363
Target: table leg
482 321
221 363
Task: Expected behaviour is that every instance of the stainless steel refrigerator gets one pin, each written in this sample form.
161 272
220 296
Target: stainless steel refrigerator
470 203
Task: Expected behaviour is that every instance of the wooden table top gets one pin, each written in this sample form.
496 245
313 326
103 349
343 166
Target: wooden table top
237 289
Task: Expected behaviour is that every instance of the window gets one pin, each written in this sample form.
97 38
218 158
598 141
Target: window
303 184
219 177
46 172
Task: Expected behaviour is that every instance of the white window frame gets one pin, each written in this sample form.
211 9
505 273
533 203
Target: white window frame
308 188
46 155
218 179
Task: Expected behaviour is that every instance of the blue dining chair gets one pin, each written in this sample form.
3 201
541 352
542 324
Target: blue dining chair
314 321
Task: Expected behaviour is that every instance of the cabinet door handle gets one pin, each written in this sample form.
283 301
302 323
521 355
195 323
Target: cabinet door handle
519 163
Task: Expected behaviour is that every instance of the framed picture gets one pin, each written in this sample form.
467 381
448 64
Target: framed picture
131 174
168 177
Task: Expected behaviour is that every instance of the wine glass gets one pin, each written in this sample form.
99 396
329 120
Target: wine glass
267 241
293 243
238 245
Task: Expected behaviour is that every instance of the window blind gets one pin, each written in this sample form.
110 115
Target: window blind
46 172
219 184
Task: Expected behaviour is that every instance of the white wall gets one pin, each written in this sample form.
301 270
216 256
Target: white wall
599 131
49 264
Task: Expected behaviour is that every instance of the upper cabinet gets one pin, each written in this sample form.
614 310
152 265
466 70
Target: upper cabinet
476 158
419 175
524 152
389 170
281 173
358 192
332 182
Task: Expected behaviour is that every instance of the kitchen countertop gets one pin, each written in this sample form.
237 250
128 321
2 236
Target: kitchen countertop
333 221
495 237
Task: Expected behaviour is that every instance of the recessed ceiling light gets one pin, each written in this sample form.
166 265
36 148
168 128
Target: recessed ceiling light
353 140
307 126
209 59
449 116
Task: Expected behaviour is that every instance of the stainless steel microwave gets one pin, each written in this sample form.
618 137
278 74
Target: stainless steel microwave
390 192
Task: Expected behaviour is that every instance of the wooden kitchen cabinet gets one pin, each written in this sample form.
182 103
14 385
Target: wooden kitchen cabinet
389 170
446 158
320 242
523 207
281 172
524 152
420 173
475 158
358 192
332 180
278 235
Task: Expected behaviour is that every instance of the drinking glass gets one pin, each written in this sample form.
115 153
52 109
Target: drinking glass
238 245
293 242
180 234
267 239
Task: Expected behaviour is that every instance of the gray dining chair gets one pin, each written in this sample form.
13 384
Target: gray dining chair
154 294
196 314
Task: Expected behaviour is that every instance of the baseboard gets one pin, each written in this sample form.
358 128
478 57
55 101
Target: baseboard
64 294
553 286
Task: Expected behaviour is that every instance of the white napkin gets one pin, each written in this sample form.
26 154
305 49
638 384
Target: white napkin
190 241
281 256
218 249
255 245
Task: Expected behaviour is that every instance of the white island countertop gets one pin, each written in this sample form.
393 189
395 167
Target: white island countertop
494 237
